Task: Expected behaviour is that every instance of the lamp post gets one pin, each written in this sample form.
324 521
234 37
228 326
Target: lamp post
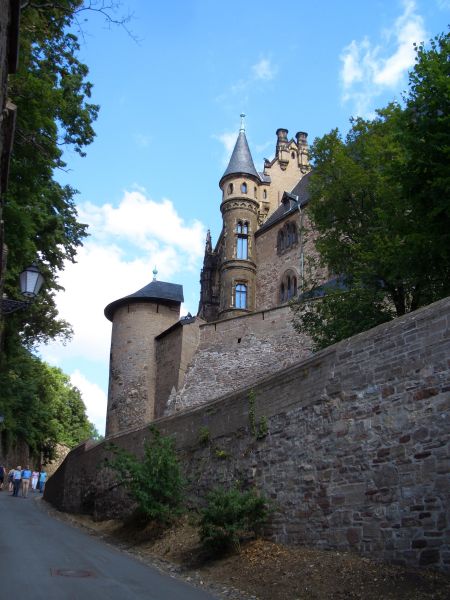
31 282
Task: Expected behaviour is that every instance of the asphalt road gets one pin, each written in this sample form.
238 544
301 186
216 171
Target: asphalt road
44 558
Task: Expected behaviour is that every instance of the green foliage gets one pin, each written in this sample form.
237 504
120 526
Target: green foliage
155 482
229 517
261 429
53 113
40 405
204 436
379 209
340 315
220 453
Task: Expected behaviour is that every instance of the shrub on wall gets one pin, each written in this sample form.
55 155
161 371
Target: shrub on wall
229 517
155 482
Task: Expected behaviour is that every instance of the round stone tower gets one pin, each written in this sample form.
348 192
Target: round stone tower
136 321
240 190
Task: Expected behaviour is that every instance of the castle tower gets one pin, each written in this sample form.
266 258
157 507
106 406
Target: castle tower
137 319
240 190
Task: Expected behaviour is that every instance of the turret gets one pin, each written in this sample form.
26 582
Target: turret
136 320
240 190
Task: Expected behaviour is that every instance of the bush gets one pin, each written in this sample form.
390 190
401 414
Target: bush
155 483
229 517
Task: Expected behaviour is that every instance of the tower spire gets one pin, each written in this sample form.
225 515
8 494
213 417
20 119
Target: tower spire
242 127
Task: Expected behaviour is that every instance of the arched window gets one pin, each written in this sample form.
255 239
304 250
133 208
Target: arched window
244 187
288 286
265 194
292 154
230 188
242 240
255 192
240 296
287 237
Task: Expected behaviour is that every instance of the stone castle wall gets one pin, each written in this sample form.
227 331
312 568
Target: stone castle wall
174 351
235 353
357 451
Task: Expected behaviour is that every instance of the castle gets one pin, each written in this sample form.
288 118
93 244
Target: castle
160 363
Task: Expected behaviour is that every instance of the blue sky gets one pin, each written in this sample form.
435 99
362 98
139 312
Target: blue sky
169 116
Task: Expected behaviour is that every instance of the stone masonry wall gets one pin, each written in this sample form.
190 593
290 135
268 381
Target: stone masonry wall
357 451
174 352
234 353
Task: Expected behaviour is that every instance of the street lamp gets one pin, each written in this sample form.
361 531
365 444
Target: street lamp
31 282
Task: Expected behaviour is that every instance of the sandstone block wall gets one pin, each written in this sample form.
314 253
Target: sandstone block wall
235 353
357 451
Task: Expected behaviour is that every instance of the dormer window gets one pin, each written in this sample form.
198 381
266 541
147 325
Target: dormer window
244 187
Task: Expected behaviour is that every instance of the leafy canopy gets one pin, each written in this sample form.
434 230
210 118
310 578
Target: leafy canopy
53 113
40 406
380 209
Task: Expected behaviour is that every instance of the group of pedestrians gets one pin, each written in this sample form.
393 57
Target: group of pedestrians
19 480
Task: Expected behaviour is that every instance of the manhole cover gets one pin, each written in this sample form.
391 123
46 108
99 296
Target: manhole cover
72 573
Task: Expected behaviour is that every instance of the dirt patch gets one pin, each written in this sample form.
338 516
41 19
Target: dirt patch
267 571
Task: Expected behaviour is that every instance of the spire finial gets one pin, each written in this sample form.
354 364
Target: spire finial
242 128
155 273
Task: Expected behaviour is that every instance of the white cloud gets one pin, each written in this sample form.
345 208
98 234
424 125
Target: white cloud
264 70
228 140
145 223
368 69
261 72
94 398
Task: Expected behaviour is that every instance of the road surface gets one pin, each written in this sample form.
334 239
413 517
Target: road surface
44 558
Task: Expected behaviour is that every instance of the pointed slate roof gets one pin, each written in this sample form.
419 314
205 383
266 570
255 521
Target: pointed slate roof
241 160
165 293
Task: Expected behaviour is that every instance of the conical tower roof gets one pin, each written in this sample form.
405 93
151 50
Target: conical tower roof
160 291
241 160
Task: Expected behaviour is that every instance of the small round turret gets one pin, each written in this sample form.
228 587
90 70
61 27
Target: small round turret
137 319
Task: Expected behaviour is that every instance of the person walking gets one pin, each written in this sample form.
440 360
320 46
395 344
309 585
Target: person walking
42 480
2 476
34 480
17 478
11 480
26 476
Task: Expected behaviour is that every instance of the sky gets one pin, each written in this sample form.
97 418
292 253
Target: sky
170 91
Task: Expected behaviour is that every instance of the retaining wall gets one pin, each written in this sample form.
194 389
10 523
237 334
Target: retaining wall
357 451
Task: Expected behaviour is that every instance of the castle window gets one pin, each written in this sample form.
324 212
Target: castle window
292 154
287 237
288 287
240 296
265 194
242 240
255 192
230 189
244 188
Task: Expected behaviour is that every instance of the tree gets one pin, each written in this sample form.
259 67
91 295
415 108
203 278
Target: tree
40 406
53 113
379 207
